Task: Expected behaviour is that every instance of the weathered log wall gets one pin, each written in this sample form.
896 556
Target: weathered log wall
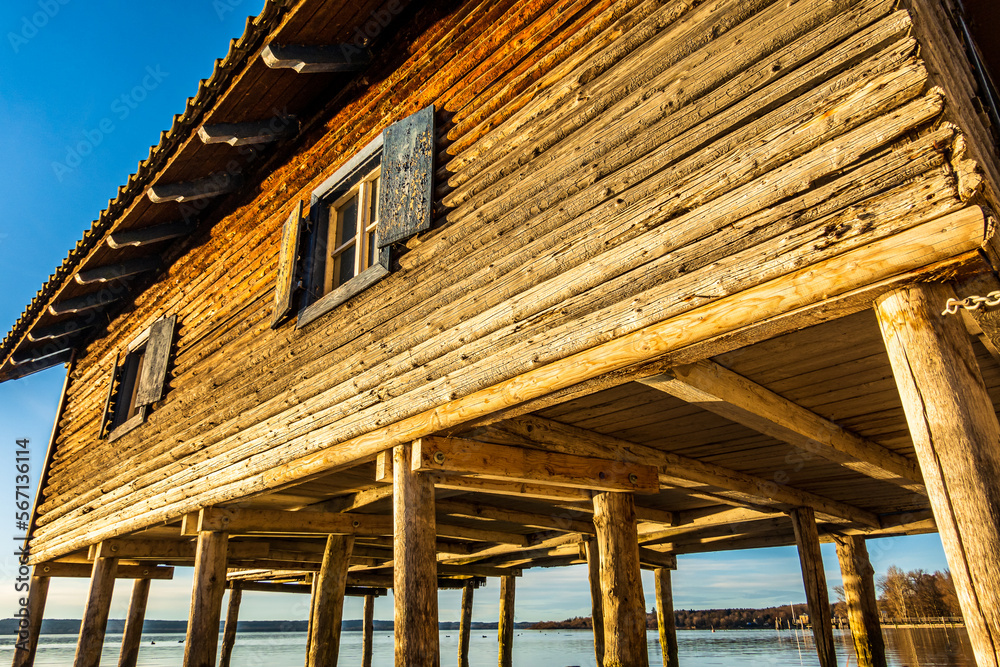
603 166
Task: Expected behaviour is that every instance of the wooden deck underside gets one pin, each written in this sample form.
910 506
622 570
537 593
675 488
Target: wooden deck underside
837 370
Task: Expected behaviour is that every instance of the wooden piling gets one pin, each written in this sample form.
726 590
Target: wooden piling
465 627
232 619
24 651
862 603
955 433
596 599
665 617
368 631
814 579
328 605
206 600
95 615
415 564
132 638
621 585
505 632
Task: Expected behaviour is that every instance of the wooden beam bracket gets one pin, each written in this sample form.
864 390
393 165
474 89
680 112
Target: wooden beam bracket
220 183
316 59
250 133
103 274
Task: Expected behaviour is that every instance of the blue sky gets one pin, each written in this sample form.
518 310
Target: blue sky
85 89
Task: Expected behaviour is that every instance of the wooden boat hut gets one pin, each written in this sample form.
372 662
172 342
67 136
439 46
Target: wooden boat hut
414 294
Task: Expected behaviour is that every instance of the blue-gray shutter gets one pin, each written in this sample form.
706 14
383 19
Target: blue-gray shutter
407 178
155 361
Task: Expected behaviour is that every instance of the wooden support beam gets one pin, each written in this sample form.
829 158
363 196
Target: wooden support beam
214 185
305 589
250 132
103 274
596 597
814 579
144 236
95 614
86 302
665 617
164 550
505 631
132 638
368 631
29 629
719 390
465 626
82 570
554 521
206 600
232 620
280 522
621 584
734 519
316 59
61 330
507 488
954 428
520 464
479 534
677 470
328 603
415 565
701 534
41 355
862 603
354 501
657 560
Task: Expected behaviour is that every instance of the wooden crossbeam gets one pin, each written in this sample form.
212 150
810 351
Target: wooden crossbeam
677 470
479 534
355 501
550 521
719 390
61 330
729 517
657 559
171 550
305 589
103 274
83 571
86 302
469 457
278 522
315 59
249 133
508 488
202 188
149 235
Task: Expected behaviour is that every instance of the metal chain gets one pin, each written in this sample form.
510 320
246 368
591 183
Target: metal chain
972 303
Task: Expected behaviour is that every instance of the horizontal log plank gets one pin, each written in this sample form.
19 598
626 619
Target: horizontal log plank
276 522
83 571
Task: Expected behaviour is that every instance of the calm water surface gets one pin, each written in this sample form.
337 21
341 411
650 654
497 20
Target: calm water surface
938 647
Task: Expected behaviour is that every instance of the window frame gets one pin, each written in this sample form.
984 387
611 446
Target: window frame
135 353
316 301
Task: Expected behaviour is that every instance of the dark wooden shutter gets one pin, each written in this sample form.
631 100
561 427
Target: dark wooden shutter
288 279
407 178
154 362
108 403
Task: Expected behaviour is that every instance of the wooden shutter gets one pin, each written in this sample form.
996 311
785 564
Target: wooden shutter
284 291
407 178
155 360
108 403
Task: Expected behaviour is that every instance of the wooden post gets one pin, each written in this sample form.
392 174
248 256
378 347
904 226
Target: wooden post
596 599
328 605
955 433
206 599
505 631
232 619
367 646
621 585
132 638
814 579
665 617
95 615
862 603
414 574
465 626
27 641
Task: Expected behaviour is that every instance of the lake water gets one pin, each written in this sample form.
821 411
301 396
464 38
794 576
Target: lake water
937 647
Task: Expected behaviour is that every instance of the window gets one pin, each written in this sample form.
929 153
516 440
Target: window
379 197
137 379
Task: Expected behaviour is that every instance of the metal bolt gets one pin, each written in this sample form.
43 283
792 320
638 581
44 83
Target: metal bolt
633 478
356 523
439 457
